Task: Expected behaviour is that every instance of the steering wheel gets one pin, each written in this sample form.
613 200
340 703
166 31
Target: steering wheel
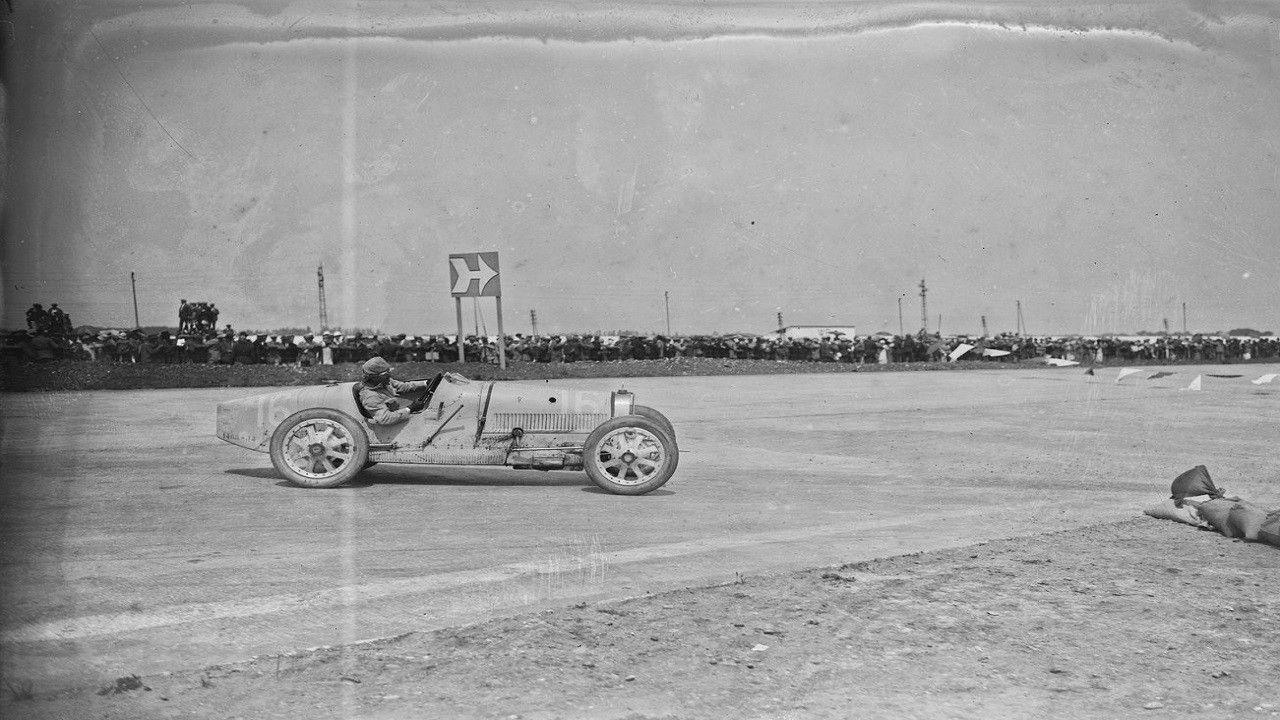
430 390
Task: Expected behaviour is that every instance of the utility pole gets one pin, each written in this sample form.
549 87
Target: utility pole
666 300
134 284
324 310
1021 326
902 330
924 308
533 320
984 325
1184 318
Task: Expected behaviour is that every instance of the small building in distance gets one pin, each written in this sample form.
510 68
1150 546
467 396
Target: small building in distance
816 331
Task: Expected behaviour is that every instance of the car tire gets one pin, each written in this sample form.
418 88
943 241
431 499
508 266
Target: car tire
657 417
319 448
630 455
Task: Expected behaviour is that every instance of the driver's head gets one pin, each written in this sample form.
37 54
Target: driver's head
376 372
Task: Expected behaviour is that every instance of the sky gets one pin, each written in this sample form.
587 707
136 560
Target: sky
1101 165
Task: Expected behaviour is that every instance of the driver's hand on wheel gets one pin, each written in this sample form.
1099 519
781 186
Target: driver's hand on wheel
417 405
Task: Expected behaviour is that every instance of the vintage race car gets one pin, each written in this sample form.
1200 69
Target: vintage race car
320 437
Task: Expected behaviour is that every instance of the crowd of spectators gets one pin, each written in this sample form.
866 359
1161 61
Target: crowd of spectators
52 321
230 347
198 317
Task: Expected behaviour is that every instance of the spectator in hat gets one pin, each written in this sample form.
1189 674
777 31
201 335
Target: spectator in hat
37 317
308 351
380 394
57 319
243 350
184 315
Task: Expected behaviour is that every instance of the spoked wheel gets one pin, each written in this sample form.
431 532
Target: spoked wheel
630 455
319 448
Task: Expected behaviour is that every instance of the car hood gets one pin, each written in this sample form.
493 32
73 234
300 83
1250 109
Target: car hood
542 407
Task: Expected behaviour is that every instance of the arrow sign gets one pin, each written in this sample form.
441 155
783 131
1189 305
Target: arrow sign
474 275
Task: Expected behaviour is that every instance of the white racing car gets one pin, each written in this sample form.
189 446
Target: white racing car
319 437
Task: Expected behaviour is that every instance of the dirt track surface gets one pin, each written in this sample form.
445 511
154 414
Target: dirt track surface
1079 624
136 543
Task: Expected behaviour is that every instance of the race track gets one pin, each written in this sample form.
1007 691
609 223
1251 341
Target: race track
133 541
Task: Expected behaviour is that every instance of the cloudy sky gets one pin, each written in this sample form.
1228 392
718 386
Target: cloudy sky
1101 164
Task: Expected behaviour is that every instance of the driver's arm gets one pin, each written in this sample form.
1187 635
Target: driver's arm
379 409
409 388
401 386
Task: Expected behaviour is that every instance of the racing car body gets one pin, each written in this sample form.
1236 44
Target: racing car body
320 436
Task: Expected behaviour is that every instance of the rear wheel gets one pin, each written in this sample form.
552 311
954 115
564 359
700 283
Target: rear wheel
630 455
319 448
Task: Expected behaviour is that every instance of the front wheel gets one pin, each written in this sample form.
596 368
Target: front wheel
319 448
657 417
630 455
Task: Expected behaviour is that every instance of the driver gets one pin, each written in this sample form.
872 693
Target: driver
380 394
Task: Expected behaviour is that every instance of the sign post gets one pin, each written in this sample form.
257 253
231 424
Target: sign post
457 301
502 337
476 275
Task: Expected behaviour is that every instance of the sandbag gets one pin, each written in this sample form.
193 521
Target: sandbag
1216 512
1270 530
1195 481
1169 510
1246 520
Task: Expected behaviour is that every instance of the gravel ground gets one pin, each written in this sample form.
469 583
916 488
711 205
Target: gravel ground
1145 617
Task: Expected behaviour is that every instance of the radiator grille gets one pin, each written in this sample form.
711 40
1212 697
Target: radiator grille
546 422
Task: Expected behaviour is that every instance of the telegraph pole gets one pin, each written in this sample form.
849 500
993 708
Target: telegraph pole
902 330
666 300
324 310
1021 326
1184 318
134 284
533 320
924 309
